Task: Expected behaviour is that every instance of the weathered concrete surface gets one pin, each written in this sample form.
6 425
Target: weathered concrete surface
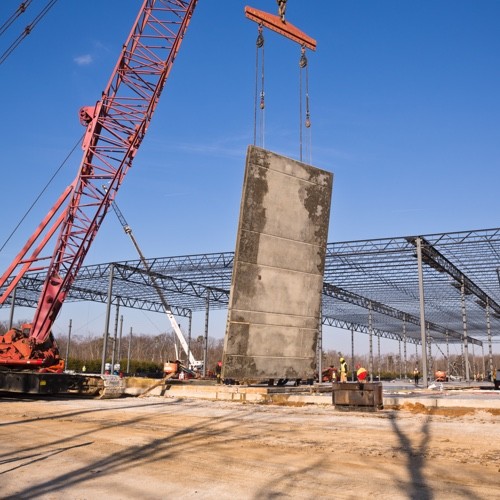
275 301
474 399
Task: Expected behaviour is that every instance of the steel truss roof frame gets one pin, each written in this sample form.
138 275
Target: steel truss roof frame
380 272
373 306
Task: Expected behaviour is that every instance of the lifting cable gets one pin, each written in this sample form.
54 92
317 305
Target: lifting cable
20 10
305 141
41 192
304 68
259 48
27 30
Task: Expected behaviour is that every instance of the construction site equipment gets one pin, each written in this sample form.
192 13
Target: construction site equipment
115 128
193 363
279 25
357 396
440 376
90 385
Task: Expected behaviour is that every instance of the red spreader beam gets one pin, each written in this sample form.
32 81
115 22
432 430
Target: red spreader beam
282 27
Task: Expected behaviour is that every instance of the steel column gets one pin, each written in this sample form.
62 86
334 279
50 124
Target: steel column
404 348
115 335
490 344
129 349
119 352
474 369
205 347
447 355
378 357
190 322
353 375
463 359
370 327
429 348
66 359
108 314
484 362
422 310
464 321
320 347
12 307
400 362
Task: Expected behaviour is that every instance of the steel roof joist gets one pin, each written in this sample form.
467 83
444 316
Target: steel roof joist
383 271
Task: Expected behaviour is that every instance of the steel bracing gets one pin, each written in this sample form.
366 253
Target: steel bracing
376 279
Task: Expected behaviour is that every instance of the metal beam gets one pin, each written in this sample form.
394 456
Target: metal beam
440 263
353 298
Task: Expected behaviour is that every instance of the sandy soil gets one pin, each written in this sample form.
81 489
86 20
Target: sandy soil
154 448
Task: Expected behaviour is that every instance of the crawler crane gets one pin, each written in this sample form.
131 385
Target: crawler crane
115 128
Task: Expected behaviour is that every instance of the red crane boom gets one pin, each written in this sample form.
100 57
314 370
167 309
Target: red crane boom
116 126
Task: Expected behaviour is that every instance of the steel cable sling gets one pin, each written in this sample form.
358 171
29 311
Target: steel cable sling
304 67
259 47
278 24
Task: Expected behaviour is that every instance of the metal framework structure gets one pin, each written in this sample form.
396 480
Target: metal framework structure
369 286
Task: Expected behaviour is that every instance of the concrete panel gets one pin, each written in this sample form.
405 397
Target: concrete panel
275 300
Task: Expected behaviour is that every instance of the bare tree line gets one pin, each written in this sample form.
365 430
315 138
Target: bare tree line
148 350
143 349
153 349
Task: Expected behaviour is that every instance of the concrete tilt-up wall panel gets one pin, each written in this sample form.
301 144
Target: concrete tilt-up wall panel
275 300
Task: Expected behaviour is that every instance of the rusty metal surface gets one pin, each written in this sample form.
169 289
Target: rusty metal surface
357 396
275 299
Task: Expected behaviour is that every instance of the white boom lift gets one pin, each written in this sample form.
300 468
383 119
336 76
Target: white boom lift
193 363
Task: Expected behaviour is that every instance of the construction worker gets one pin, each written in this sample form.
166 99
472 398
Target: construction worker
218 371
361 374
416 375
327 375
343 370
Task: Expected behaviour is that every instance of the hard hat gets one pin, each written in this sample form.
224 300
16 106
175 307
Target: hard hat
342 359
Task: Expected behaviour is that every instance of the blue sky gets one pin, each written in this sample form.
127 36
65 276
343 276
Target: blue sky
404 106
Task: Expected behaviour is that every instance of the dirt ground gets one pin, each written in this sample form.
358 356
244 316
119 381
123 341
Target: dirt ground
155 448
